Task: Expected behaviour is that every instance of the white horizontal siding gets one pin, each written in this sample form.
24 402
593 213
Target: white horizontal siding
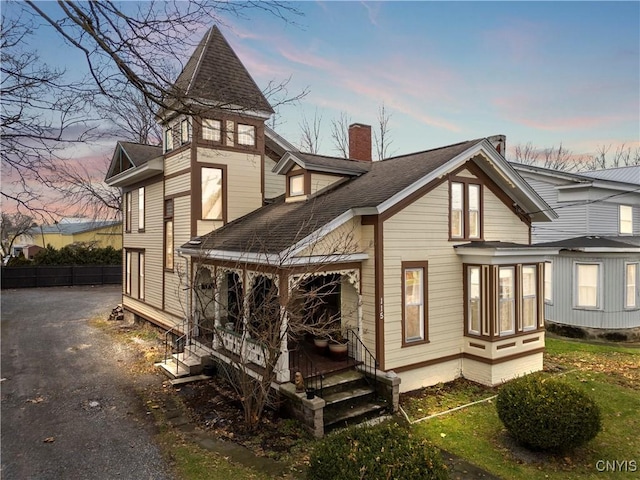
177 185
320 181
274 184
177 163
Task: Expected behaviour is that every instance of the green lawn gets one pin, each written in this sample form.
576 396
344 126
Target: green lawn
610 373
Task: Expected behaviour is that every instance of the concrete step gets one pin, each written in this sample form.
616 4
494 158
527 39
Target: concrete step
337 417
169 368
188 360
348 394
193 378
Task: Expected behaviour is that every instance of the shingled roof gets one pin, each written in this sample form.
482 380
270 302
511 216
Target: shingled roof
140 153
278 226
215 73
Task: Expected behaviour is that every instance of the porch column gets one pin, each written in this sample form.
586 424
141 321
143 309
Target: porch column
217 285
283 374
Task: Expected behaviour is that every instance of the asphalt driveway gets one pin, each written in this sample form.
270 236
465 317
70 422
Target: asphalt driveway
68 411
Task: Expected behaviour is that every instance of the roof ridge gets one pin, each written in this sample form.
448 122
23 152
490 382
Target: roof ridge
205 42
431 150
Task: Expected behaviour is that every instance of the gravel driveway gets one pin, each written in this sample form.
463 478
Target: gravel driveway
69 410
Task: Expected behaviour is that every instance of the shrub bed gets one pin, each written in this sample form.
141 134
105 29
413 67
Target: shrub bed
544 413
386 451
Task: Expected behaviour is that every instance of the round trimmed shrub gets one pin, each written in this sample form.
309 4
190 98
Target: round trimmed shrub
382 452
543 413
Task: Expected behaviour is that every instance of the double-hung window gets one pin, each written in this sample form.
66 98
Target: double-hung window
141 275
475 306
507 301
631 285
529 297
168 234
465 209
127 280
212 193
625 219
141 209
168 139
414 305
185 131
548 282
587 288
127 212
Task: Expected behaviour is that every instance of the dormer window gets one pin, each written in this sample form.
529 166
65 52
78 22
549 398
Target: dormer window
168 140
296 185
185 131
246 135
211 130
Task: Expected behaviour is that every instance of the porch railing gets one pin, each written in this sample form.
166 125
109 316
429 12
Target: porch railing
301 361
359 352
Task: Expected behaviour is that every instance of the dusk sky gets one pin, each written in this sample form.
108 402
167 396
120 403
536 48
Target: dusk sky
539 72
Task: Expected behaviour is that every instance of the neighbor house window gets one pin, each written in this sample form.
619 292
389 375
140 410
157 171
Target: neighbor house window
631 285
168 140
507 300
168 234
296 185
625 214
211 130
246 135
185 131
414 305
465 210
127 281
548 282
211 193
127 212
587 285
141 208
474 299
529 297
141 276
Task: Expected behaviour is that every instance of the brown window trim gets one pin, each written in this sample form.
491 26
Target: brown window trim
307 182
197 192
128 196
466 181
491 303
144 209
425 299
143 254
167 218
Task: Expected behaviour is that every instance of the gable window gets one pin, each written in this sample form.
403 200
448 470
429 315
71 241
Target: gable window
414 305
587 285
211 183
465 210
296 185
168 140
127 281
507 298
246 135
548 282
185 131
168 234
625 217
211 130
127 212
631 285
141 209
141 276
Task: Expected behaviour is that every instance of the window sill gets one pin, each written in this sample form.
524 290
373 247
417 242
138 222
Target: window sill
588 309
413 343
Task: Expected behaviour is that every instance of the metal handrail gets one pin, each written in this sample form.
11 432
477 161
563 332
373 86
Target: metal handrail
359 351
304 364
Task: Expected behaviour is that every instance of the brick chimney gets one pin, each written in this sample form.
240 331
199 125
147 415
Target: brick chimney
360 142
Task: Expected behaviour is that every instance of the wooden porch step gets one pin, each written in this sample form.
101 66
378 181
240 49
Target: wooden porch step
347 394
352 414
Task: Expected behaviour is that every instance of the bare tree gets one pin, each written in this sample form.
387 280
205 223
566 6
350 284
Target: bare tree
622 156
310 133
247 322
13 226
340 134
381 135
526 154
554 158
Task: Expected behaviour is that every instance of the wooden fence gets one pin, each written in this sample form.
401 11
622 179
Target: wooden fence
58 276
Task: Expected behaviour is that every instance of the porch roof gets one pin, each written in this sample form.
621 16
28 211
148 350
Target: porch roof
502 253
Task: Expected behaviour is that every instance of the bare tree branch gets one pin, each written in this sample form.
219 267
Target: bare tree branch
340 134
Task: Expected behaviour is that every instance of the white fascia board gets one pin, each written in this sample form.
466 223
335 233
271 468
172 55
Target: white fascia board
272 259
605 249
153 167
287 161
506 256
278 139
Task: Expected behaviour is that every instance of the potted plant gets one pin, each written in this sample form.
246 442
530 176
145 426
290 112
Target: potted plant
338 345
321 344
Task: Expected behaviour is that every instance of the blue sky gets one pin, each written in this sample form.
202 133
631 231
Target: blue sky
539 72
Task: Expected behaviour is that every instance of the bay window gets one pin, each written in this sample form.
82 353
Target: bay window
587 286
548 282
507 305
529 297
474 300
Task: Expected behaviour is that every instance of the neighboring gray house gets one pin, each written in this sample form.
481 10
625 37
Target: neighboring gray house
593 283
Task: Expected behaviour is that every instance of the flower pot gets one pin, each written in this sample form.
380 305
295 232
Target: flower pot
311 393
321 345
338 351
230 326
